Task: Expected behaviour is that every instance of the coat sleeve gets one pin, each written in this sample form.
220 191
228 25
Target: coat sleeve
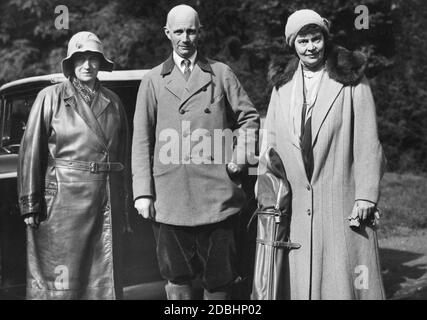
247 119
268 134
369 161
144 139
33 154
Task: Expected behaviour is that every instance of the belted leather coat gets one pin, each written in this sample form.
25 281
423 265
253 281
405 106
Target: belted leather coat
73 171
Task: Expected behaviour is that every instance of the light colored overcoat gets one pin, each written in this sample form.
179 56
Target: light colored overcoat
334 261
177 157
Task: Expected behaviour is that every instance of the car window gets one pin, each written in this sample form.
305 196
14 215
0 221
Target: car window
127 94
16 114
16 110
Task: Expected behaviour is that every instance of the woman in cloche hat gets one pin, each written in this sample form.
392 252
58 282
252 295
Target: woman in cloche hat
73 181
321 119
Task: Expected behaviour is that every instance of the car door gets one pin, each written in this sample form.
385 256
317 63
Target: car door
14 113
140 257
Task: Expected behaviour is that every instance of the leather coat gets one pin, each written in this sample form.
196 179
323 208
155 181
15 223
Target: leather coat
73 171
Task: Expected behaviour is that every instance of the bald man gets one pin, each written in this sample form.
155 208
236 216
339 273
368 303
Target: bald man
185 178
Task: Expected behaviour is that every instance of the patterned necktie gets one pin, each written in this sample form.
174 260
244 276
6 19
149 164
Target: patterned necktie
187 70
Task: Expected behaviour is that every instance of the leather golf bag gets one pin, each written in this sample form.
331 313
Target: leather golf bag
273 222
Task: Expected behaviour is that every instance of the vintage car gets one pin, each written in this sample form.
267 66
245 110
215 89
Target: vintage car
142 277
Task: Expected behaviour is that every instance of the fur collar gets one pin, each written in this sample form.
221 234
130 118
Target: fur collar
342 65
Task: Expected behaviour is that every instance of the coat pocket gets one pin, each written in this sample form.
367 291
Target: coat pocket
50 192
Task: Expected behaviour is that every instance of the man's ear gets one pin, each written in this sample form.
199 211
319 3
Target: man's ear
167 32
200 32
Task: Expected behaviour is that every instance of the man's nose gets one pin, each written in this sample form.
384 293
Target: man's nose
186 36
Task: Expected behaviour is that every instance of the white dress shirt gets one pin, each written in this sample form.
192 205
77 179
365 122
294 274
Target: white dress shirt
178 61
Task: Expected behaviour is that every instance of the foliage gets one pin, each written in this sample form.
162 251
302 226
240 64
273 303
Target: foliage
402 204
249 36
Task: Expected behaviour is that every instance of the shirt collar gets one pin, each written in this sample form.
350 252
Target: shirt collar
178 60
202 62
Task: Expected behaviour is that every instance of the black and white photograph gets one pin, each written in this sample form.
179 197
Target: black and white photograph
236 151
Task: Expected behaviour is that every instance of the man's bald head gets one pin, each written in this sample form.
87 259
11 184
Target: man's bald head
183 29
180 13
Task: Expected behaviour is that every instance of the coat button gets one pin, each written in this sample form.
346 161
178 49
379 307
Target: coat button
182 111
308 187
186 134
207 110
187 158
308 212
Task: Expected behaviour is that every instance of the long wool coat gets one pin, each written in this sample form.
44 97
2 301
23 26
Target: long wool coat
173 118
73 254
334 261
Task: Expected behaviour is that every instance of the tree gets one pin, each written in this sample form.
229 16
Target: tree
249 36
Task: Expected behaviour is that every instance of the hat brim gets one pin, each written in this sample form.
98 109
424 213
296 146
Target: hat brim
68 68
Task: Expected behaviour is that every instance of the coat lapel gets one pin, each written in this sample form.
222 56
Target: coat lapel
328 92
72 99
100 103
174 81
198 80
284 93
200 77
284 102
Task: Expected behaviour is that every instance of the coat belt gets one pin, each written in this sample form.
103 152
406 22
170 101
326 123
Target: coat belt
93 167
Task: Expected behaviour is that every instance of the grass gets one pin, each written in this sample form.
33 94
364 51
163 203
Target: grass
403 204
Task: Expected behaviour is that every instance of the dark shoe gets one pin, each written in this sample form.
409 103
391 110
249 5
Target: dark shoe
178 291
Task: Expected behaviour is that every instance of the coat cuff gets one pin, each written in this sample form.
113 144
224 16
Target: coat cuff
142 187
369 194
374 203
29 204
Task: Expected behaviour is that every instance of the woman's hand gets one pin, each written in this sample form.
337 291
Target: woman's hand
364 209
32 219
145 207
